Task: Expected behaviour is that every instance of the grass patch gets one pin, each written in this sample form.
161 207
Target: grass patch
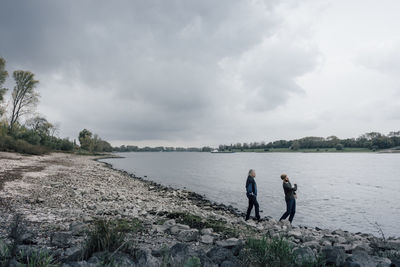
109 235
33 258
275 252
197 222
37 258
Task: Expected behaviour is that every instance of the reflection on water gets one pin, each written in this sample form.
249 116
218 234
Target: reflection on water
351 191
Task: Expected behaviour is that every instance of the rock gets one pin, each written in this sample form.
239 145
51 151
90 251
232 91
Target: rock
160 228
169 223
394 244
179 252
144 257
207 231
334 256
61 239
296 234
188 235
28 238
304 254
220 254
383 262
87 219
228 263
73 254
326 243
78 228
229 243
312 245
178 228
207 239
362 257
350 263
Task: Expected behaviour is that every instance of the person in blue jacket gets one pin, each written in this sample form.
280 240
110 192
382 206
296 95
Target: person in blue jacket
251 193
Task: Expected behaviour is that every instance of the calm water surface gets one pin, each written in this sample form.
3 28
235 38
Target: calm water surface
350 191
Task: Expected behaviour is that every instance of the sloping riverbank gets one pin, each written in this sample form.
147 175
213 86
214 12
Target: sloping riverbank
60 203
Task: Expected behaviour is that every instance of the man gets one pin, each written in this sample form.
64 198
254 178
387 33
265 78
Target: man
251 192
290 198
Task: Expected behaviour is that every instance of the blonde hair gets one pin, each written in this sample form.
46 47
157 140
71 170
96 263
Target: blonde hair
283 176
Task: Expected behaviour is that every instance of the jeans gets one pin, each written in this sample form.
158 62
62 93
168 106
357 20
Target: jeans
290 209
253 202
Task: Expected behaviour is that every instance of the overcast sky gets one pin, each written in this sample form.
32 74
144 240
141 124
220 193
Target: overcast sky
207 72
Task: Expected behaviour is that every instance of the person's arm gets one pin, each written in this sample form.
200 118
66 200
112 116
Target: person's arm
287 186
249 189
295 188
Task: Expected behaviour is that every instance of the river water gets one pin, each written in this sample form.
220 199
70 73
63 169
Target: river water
350 191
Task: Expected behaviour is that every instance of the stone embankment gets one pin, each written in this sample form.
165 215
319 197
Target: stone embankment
54 201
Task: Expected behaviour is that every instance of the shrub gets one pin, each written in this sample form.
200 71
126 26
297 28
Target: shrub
8 143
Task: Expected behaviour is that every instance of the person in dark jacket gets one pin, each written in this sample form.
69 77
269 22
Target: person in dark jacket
251 193
290 198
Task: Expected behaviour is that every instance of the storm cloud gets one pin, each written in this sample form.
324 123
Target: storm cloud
173 72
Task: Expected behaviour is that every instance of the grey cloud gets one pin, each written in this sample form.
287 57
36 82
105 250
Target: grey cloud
142 70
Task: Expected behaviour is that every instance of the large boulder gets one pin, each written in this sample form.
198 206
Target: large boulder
188 235
78 228
361 256
304 254
334 256
179 252
207 239
61 239
73 254
220 254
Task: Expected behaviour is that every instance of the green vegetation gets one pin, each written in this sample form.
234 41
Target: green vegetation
36 258
31 257
367 142
197 222
193 262
36 135
274 251
109 236
93 143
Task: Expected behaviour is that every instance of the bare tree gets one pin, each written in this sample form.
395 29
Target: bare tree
24 96
3 77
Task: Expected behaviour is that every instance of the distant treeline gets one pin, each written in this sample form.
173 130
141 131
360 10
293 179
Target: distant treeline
124 148
35 135
372 141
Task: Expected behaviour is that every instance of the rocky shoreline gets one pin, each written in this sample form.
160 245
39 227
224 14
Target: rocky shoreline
52 203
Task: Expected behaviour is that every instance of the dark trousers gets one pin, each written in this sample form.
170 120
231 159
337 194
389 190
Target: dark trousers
253 202
290 209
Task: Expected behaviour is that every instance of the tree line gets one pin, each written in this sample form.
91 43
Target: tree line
372 141
131 148
22 132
